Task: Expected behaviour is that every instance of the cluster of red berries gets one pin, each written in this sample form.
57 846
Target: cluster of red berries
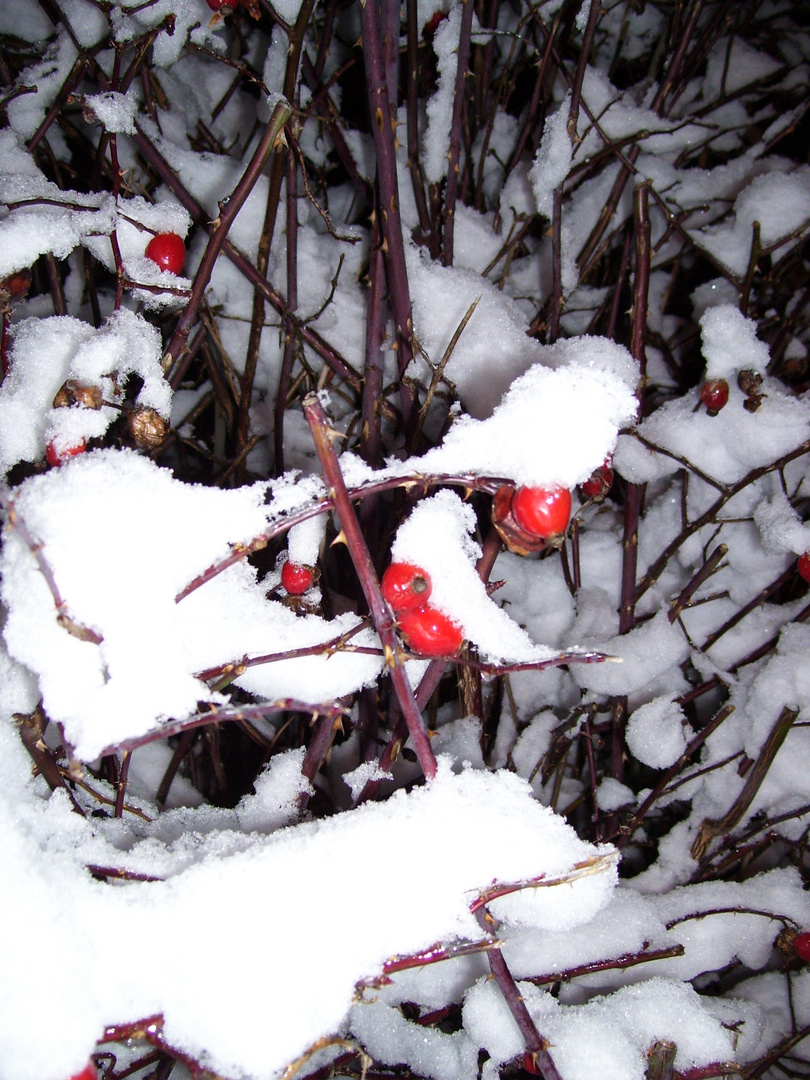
532 518
407 588
167 251
803 566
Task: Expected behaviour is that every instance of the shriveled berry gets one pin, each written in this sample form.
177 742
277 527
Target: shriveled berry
147 427
542 512
599 482
714 395
406 587
73 392
296 578
803 566
801 946
431 632
168 251
59 457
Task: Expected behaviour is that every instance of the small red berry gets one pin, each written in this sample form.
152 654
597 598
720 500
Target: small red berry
431 632
530 1063
714 395
296 579
599 482
803 566
433 24
801 946
59 457
406 587
89 1072
168 251
542 511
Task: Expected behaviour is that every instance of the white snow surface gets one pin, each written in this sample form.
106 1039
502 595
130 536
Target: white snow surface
245 1033
109 509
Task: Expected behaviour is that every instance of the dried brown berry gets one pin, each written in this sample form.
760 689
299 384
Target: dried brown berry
749 381
72 392
147 427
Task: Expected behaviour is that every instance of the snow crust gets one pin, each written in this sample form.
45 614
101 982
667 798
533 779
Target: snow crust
258 1034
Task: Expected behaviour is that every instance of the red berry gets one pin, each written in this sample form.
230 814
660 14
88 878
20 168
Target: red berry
406 587
296 579
801 946
714 395
168 251
599 483
803 566
431 632
59 457
433 24
89 1072
542 511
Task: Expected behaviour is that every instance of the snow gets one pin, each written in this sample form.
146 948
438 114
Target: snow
259 1034
655 733
439 108
115 111
300 894
47 352
553 159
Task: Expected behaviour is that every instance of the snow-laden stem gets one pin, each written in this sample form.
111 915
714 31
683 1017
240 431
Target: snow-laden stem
626 960
454 153
281 164
361 557
227 214
624 835
539 89
426 222
372 403
661 1060
702 575
68 86
383 126
308 335
591 246
32 729
290 341
656 568
594 11
312 78
536 1045
711 828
